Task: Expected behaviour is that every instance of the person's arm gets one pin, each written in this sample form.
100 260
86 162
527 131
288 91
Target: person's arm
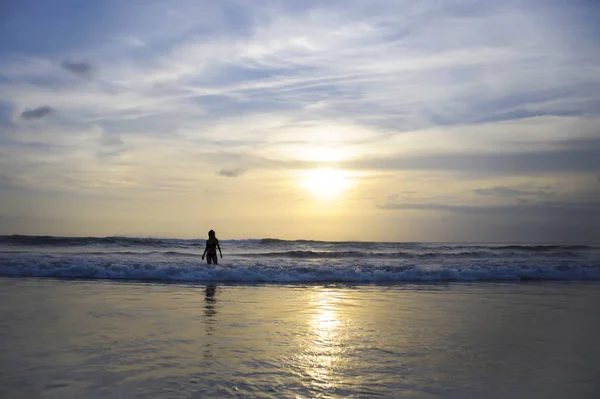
205 249
218 246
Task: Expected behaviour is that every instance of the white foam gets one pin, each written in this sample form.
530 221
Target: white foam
292 261
282 270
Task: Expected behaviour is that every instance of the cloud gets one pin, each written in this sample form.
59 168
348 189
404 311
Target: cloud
37 113
232 172
111 140
78 68
573 220
112 146
500 192
550 208
347 62
507 192
582 160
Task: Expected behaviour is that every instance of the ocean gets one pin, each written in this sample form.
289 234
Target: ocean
273 260
122 317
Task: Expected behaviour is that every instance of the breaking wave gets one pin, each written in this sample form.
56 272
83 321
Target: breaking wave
275 260
402 254
325 271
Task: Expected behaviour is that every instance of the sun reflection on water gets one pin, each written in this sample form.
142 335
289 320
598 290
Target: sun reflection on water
323 354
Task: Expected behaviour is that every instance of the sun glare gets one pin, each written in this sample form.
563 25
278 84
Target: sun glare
326 184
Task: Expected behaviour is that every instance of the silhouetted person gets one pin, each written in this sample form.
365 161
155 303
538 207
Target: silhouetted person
212 244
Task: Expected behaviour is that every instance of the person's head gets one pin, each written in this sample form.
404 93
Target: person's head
211 234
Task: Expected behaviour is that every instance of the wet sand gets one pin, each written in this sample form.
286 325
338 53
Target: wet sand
106 339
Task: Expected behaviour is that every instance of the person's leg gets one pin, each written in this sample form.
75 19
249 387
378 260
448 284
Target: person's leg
215 259
208 258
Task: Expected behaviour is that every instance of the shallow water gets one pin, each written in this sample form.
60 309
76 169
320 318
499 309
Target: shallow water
106 339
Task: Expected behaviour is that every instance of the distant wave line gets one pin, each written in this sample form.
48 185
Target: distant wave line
409 255
26 240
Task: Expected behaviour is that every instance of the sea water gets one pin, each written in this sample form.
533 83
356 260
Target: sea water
145 318
272 260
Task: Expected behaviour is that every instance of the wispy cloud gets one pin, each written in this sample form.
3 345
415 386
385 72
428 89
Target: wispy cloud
492 163
506 192
512 210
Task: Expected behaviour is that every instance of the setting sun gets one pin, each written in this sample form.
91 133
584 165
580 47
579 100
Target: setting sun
326 184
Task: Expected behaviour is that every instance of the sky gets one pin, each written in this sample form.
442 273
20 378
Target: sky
380 120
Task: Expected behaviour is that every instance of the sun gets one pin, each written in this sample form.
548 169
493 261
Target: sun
326 183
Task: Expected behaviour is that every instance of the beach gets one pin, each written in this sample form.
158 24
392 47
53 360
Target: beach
299 199
73 338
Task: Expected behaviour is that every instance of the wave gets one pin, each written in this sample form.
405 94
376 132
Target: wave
402 254
324 255
323 272
543 248
89 241
354 244
124 253
293 248
422 245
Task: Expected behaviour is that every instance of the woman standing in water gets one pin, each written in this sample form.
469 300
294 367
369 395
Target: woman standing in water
212 244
